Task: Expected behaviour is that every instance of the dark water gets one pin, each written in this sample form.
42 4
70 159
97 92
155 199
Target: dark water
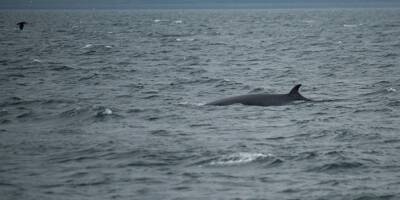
109 104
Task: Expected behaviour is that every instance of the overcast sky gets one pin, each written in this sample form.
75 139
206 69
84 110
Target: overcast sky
132 4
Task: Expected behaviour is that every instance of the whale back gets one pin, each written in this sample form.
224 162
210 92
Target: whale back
262 99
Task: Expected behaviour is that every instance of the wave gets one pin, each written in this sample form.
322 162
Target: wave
95 49
351 25
25 115
338 166
235 159
87 46
238 158
17 101
99 113
61 68
380 92
185 39
36 60
390 89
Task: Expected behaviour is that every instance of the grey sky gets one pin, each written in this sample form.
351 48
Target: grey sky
132 4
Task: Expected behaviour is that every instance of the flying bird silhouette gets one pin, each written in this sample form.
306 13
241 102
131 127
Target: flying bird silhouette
21 25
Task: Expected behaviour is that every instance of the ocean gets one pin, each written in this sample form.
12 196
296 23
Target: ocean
109 104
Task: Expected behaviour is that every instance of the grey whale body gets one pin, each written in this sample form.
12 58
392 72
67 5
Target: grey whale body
262 99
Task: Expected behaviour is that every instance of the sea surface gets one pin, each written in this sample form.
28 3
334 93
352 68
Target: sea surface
109 104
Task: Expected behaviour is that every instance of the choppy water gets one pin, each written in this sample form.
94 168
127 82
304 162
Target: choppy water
109 104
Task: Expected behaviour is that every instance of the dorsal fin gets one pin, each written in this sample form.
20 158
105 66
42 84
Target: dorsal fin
295 90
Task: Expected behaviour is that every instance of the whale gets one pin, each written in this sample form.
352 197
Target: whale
21 25
262 99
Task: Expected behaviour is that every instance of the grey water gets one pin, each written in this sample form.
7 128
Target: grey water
109 104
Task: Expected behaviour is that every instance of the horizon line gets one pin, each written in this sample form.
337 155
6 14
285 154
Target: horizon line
303 5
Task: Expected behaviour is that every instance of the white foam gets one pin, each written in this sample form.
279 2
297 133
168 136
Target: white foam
200 104
350 25
184 39
36 61
109 47
178 21
107 111
238 158
157 20
309 21
88 46
185 103
390 89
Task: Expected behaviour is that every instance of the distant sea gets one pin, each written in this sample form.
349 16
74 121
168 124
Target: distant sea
110 104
